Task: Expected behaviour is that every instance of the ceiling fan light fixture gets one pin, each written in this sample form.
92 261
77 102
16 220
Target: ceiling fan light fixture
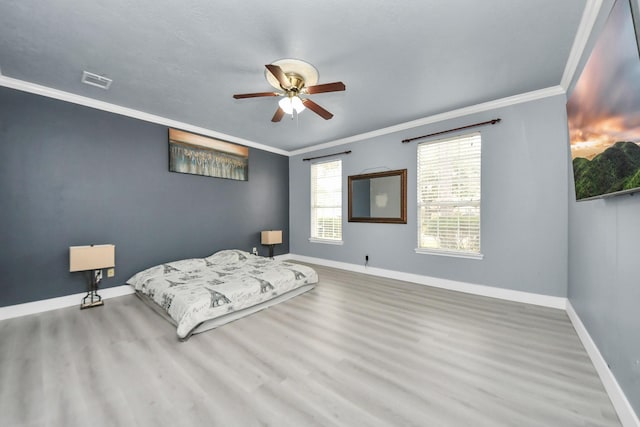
291 77
303 70
297 104
291 104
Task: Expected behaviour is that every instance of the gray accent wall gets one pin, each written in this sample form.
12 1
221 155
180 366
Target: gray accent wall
524 203
72 175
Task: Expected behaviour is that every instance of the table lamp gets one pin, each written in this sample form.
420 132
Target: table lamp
93 259
271 238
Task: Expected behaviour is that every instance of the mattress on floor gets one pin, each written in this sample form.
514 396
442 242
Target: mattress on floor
225 286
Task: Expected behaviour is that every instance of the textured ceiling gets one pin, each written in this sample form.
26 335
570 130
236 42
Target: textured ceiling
399 60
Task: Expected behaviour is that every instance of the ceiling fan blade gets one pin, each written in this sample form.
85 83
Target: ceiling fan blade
279 75
326 87
255 95
317 109
278 115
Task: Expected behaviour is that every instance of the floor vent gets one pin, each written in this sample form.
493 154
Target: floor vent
96 80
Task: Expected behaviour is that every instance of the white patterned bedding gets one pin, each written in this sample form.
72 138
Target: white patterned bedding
193 291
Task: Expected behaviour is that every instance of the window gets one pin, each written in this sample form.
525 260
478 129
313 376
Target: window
326 201
449 196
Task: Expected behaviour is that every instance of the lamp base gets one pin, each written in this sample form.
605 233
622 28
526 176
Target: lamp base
89 304
92 299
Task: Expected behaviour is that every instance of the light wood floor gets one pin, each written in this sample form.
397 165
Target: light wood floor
356 351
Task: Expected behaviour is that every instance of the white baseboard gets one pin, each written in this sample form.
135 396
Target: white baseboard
59 302
625 411
469 288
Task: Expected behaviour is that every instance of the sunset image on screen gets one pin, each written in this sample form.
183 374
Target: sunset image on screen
604 111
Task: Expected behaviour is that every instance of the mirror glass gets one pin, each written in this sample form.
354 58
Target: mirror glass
378 197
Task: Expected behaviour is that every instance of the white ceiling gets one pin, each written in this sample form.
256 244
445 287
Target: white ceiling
183 61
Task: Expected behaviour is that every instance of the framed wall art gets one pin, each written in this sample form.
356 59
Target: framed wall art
200 155
604 111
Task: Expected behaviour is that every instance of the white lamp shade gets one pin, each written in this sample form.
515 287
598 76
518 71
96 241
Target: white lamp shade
297 104
94 257
289 104
271 237
285 104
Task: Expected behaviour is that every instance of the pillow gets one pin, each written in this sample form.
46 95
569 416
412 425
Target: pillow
229 256
186 265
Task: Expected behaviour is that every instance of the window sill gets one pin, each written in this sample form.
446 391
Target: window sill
326 241
468 255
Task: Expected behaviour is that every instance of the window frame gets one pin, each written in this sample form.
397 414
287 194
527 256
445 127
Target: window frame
313 226
461 253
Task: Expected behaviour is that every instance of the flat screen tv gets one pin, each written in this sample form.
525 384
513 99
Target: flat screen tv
604 111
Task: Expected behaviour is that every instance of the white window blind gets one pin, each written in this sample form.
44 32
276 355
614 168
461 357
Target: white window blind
449 195
326 200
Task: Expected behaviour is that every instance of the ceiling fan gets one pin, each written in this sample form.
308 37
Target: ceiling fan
295 78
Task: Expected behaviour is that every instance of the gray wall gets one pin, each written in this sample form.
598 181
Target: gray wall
604 284
524 203
71 175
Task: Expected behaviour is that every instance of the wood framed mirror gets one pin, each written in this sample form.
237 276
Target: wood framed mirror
378 197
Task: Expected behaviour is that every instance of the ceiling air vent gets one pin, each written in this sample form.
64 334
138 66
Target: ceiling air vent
96 80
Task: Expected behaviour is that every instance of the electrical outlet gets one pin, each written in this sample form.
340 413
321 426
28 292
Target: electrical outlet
111 272
254 251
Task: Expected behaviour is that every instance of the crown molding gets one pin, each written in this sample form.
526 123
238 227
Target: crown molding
589 16
461 112
128 112
140 115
